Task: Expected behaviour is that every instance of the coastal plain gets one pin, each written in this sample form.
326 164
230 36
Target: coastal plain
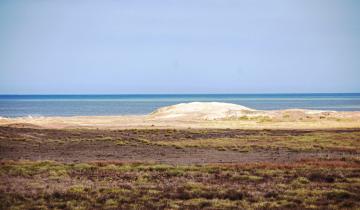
197 156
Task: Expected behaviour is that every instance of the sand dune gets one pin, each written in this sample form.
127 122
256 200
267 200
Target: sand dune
202 110
228 111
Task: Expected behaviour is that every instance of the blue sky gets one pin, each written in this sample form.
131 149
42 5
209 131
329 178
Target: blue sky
173 46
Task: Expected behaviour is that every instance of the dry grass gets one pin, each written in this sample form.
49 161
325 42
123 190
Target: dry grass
327 183
314 141
236 140
112 185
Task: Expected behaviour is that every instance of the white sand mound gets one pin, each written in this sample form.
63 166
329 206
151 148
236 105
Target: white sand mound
202 110
227 111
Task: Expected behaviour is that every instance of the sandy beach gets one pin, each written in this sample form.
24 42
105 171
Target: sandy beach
200 115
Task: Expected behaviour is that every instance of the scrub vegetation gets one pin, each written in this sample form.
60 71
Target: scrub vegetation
312 141
179 169
222 139
112 185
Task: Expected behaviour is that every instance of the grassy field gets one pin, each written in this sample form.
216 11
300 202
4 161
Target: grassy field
179 169
111 185
347 140
312 141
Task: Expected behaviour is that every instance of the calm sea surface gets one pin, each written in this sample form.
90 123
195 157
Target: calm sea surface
74 105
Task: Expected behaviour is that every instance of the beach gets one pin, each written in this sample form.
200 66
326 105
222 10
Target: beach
200 115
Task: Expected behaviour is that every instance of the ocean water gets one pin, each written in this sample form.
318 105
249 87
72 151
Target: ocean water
86 105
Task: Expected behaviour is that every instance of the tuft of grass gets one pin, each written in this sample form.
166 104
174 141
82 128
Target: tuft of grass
247 178
111 203
300 181
120 142
178 147
106 138
77 189
82 166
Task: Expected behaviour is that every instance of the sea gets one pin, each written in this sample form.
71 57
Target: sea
139 104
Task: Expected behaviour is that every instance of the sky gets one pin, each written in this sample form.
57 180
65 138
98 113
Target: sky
179 46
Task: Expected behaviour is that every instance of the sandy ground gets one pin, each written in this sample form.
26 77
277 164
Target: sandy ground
127 122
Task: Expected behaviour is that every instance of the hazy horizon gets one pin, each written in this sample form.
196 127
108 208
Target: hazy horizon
124 94
179 47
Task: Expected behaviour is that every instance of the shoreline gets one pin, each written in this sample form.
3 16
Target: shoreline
145 122
200 115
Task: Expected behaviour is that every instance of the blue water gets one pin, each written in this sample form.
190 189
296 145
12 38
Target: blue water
84 105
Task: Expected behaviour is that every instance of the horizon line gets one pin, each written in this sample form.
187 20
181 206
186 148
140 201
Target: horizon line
114 94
